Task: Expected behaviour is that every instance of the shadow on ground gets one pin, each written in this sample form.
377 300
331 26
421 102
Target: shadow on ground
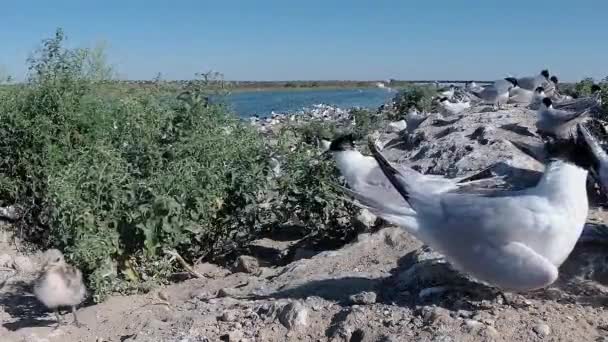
25 309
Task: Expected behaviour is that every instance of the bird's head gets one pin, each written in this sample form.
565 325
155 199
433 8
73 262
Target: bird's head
343 143
513 81
545 74
554 79
53 257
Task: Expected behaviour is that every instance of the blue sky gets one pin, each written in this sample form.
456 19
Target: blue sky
321 39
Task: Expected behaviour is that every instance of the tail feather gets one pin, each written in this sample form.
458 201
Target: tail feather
389 171
369 202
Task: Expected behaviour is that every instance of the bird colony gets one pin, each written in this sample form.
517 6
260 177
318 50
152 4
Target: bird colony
512 240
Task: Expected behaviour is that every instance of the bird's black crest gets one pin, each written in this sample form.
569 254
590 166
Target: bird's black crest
343 143
513 81
540 89
554 79
443 99
547 101
545 73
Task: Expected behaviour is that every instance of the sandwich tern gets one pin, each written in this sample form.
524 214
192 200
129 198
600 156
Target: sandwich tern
447 92
498 92
514 240
533 82
413 119
452 108
557 122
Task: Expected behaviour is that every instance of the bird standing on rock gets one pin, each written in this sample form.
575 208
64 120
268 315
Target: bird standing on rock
557 122
497 93
514 240
59 285
453 108
533 82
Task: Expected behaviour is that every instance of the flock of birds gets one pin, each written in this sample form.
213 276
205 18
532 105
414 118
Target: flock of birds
511 240
558 114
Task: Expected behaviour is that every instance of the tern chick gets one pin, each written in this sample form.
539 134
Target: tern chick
59 284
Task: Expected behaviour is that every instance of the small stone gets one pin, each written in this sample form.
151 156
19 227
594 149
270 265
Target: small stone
229 316
202 295
11 213
247 264
227 292
491 332
542 329
464 313
472 324
233 336
435 315
303 253
23 264
294 316
366 218
363 298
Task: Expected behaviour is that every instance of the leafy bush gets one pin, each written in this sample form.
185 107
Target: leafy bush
116 180
420 97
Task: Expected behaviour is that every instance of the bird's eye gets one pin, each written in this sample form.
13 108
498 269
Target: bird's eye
58 259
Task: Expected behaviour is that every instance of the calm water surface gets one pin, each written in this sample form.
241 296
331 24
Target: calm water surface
264 102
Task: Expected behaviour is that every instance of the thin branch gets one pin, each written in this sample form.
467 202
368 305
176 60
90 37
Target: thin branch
175 256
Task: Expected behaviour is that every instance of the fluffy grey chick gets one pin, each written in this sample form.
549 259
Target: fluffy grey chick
59 285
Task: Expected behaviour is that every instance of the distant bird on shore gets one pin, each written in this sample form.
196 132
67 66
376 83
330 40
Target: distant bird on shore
413 118
497 93
533 82
537 98
524 96
397 126
447 92
59 285
472 86
453 108
514 240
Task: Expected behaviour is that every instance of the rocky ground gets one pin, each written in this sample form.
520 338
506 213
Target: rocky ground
385 286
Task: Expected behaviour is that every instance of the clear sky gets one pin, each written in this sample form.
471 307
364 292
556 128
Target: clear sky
321 39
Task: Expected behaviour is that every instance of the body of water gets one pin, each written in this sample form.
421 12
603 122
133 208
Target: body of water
264 102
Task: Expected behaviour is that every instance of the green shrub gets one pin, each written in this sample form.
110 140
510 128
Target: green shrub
117 178
420 97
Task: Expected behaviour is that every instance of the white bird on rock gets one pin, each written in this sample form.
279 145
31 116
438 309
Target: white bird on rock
514 240
534 82
557 122
453 108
